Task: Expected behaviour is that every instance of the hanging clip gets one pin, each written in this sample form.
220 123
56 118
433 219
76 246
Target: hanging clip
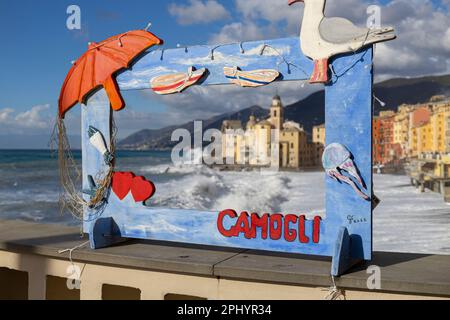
242 48
262 49
185 48
211 54
383 104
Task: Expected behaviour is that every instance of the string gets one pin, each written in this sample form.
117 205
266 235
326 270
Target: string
288 63
363 43
71 175
211 54
348 68
334 293
212 50
71 250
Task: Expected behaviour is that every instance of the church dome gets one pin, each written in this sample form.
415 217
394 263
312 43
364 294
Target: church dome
251 122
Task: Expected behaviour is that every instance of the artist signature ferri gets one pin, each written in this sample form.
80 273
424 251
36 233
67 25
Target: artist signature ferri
353 220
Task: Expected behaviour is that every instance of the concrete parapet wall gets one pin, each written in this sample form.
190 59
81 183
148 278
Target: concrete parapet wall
30 267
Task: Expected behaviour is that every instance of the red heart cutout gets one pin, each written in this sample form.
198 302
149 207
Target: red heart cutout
121 183
142 189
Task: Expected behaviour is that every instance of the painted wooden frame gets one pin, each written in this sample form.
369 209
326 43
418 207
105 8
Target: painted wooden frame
348 121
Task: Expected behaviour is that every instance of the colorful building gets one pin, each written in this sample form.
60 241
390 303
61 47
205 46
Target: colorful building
420 131
414 131
376 146
319 134
401 130
388 152
440 120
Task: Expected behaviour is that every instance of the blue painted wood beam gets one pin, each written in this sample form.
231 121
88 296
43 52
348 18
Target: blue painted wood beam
283 55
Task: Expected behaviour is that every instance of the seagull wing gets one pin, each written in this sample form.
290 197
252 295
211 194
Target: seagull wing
340 30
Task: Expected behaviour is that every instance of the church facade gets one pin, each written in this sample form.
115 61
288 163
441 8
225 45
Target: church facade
269 142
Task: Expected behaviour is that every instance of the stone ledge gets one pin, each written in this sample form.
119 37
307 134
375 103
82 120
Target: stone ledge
400 272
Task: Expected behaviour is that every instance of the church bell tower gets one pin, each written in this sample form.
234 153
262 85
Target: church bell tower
277 113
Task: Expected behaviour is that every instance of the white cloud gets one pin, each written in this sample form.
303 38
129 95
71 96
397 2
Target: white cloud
263 19
198 12
272 12
423 43
5 115
35 120
423 30
238 31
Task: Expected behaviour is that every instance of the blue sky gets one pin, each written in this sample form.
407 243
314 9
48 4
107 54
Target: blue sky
38 47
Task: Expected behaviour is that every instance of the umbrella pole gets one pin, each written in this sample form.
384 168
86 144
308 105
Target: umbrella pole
113 92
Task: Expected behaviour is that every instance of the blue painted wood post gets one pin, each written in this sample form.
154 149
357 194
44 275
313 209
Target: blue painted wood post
97 113
348 100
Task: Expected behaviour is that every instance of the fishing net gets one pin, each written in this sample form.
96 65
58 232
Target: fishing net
70 174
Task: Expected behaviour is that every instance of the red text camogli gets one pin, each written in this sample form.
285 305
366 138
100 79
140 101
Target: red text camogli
275 226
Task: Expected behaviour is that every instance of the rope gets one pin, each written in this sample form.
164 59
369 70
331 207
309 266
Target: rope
71 176
71 250
334 293
348 68
288 63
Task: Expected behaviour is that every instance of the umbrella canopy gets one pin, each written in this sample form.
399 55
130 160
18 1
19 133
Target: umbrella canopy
96 68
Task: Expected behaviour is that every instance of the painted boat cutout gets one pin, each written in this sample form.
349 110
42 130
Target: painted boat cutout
176 82
254 78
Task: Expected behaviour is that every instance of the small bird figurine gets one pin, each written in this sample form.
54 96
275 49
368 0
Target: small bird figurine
322 37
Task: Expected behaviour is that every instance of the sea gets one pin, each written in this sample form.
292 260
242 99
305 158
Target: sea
405 221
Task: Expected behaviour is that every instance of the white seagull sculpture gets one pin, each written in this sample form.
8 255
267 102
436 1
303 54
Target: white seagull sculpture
322 38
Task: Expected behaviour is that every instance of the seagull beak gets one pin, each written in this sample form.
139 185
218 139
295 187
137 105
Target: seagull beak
291 2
